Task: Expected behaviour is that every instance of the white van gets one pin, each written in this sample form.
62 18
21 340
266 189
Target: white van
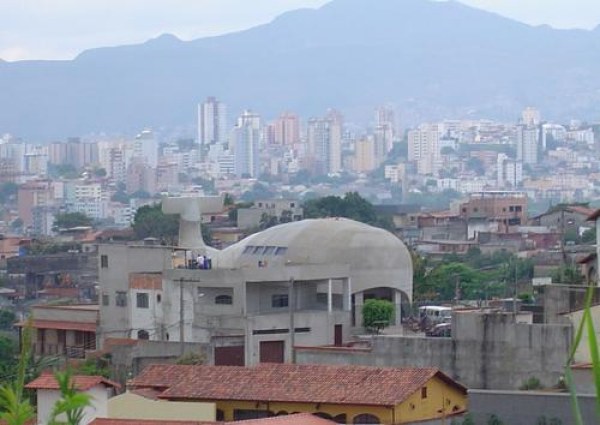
435 314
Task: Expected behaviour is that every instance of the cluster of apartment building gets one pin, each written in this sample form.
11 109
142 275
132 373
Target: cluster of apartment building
546 160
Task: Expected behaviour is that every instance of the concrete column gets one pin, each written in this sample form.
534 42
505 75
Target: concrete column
347 294
358 305
329 296
398 305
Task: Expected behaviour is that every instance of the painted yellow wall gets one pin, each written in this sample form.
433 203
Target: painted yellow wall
132 406
441 400
385 414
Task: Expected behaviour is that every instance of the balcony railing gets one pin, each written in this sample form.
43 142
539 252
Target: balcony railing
69 351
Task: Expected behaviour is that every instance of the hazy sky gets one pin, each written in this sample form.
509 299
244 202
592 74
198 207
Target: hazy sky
60 29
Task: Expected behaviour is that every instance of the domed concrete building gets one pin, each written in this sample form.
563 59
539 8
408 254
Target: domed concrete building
380 265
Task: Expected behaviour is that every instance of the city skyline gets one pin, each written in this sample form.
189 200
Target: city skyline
62 29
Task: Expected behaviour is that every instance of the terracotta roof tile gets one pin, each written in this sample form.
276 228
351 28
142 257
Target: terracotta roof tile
296 419
333 384
115 421
47 381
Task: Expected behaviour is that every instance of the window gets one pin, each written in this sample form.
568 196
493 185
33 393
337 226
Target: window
158 298
142 300
105 300
257 250
142 334
366 418
248 249
280 250
269 250
424 392
292 205
279 300
224 299
518 208
104 261
121 299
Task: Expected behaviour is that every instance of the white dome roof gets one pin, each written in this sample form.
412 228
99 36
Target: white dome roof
376 257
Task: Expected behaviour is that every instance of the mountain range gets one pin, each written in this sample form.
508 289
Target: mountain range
430 59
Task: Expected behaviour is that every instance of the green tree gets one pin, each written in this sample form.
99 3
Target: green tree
286 216
15 409
228 200
267 220
7 319
377 313
120 196
8 353
192 358
99 172
70 220
352 206
589 236
568 274
443 282
150 221
476 165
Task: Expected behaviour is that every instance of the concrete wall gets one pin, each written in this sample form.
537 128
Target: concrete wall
321 325
129 360
115 321
84 314
527 407
485 351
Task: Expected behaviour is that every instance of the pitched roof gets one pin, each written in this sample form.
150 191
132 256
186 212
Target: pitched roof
295 419
47 381
359 385
117 421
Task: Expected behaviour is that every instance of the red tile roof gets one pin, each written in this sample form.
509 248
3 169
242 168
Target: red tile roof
296 419
47 381
115 421
56 324
332 384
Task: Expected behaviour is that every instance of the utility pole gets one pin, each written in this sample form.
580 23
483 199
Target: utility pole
291 308
181 335
516 287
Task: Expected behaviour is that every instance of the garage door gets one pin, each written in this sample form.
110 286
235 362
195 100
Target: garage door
272 351
229 356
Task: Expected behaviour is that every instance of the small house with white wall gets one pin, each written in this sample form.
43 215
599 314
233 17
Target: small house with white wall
99 388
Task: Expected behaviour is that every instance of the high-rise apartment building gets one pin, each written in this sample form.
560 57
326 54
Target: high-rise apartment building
510 172
212 124
145 149
385 130
424 148
364 155
287 129
531 116
528 139
325 143
246 143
